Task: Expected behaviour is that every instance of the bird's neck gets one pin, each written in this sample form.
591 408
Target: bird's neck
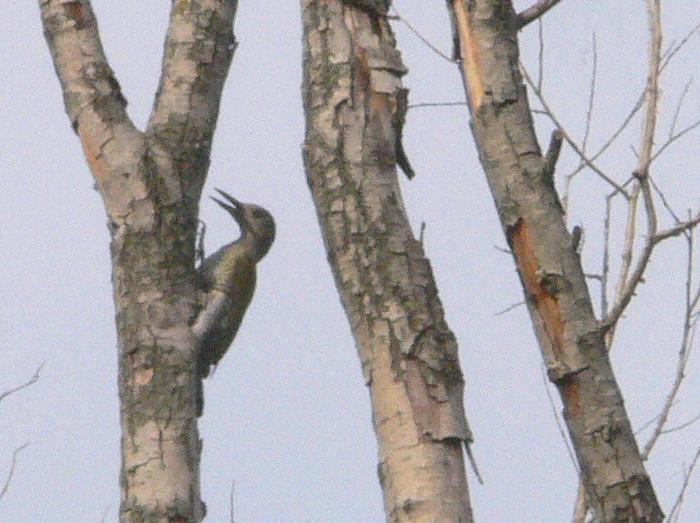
257 246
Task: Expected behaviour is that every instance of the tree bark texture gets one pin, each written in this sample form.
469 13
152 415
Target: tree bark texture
150 183
353 97
521 181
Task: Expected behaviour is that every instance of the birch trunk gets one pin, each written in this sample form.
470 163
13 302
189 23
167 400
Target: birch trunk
571 340
353 98
150 183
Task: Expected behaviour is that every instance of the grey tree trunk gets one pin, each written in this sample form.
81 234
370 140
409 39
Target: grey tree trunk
353 98
521 181
150 183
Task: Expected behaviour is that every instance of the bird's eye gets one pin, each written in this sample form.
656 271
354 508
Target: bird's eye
258 213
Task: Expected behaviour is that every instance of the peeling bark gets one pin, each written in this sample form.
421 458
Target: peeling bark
571 340
352 92
150 183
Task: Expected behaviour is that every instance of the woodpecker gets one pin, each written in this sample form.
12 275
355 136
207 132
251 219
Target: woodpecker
227 280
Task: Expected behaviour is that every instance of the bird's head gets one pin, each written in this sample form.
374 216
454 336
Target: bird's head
255 222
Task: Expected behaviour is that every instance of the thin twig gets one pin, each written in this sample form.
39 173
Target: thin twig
421 37
587 132
683 356
675 512
230 501
540 55
679 106
677 229
627 286
647 424
436 104
29 382
664 201
534 12
614 136
682 426
11 473
675 137
567 136
674 50
509 308
665 61
591 95
626 256
558 421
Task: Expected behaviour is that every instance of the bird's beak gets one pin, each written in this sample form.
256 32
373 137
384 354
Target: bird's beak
234 207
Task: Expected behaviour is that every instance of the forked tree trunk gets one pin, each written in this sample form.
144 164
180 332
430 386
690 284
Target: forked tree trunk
353 100
150 183
571 340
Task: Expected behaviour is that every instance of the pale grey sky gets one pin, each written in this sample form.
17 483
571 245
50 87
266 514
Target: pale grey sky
287 415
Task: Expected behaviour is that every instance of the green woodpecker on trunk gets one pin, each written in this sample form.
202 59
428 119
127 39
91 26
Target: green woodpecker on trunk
227 280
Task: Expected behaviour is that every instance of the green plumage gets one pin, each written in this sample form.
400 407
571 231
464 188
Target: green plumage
231 270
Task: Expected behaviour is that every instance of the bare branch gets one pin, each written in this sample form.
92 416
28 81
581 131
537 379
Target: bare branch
627 287
534 12
29 382
675 137
668 56
557 419
472 462
421 235
421 37
652 88
674 514
647 424
230 502
509 308
11 473
664 201
683 355
679 106
591 96
550 159
567 136
677 229
666 59
437 104
623 125
626 256
587 132
682 426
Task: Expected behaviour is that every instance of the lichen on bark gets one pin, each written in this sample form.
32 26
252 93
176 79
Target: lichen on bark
352 94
